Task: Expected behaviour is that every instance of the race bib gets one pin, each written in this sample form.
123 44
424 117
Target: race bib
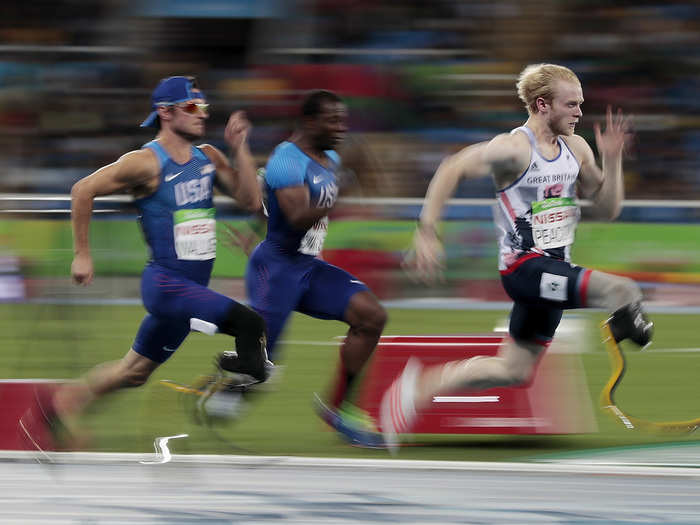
194 232
312 243
554 222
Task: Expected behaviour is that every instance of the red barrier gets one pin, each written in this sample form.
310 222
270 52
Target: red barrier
19 399
556 401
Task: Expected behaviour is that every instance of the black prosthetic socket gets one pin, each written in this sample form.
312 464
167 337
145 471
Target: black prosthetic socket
251 354
630 322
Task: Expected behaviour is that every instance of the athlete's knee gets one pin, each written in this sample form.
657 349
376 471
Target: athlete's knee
631 322
134 377
623 291
368 316
520 357
376 318
505 374
132 370
516 376
496 372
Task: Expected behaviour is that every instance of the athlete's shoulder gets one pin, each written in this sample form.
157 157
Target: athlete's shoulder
507 156
145 159
136 171
286 166
212 156
286 153
287 149
516 137
208 148
143 153
507 146
151 152
213 153
578 146
575 141
333 155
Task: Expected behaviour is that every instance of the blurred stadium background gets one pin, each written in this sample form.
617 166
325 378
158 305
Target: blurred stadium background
422 79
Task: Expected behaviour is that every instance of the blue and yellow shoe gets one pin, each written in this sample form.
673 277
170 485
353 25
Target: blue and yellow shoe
352 423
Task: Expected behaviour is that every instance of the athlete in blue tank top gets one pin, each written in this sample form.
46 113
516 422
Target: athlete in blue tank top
284 273
172 183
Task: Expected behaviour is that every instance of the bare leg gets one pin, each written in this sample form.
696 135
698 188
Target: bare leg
611 291
366 318
516 361
71 399
513 365
414 389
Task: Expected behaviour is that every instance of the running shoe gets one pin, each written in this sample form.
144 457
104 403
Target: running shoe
352 423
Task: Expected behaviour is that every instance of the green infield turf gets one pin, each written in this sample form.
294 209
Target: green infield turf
118 247
43 341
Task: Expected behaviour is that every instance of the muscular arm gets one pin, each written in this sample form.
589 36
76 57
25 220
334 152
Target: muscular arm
503 157
604 187
242 183
295 202
604 190
467 163
134 171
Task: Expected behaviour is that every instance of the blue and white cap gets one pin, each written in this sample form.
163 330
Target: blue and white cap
171 90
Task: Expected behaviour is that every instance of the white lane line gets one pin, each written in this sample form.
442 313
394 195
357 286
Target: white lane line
391 464
466 399
652 350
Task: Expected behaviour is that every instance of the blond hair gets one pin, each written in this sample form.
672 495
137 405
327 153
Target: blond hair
537 80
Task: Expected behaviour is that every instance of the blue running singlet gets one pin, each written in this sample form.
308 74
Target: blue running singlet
179 226
283 273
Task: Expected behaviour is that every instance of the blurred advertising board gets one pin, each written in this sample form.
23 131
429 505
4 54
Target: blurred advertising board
555 401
